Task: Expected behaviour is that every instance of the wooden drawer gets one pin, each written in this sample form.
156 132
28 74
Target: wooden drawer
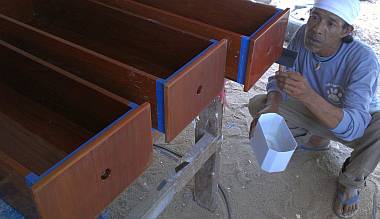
255 31
177 73
67 147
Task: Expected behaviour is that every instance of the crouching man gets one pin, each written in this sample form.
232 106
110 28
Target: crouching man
330 94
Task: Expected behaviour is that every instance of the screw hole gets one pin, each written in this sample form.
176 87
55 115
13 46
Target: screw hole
106 173
199 90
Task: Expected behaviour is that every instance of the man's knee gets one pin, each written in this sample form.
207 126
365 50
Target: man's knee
257 103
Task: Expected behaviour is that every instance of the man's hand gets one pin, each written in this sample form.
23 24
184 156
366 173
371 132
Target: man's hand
271 108
294 84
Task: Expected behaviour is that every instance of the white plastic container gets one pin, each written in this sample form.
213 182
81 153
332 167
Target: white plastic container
272 143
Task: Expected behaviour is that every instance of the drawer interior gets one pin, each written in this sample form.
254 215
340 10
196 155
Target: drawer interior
140 43
47 113
244 17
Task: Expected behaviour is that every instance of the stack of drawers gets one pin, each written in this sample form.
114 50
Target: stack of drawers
83 82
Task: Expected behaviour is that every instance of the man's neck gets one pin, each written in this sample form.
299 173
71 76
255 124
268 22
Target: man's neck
329 51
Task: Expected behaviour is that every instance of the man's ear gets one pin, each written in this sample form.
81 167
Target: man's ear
347 30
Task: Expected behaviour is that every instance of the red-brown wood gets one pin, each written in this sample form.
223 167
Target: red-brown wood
13 188
265 48
191 26
188 93
219 19
53 109
106 72
76 188
127 59
21 9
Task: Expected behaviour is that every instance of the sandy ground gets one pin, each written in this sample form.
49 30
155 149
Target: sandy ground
305 190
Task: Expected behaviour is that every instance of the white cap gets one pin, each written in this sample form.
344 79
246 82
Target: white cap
348 10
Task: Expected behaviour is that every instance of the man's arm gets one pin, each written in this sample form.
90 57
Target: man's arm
328 114
274 99
296 86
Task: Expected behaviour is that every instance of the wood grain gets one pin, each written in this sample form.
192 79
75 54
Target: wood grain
13 188
183 23
265 48
128 143
88 48
217 19
115 76
39 109
189 92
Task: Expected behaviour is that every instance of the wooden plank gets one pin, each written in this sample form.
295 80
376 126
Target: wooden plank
192 90
234 20
91 176
84 103
106 72
197 156
238 16
183 23
141 43
21 9
207 178
33 135
13 188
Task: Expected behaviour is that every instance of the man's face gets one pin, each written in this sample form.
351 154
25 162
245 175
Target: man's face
324 32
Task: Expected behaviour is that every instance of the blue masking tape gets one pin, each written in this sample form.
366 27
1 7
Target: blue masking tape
132 105
160 105
31 179
243 59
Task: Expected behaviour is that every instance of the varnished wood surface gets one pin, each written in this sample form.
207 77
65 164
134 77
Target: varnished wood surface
113 75
194 88
20 9
31 134
140 43
239 16
225 19
127 144
189 25
134 37
265 48
34 131
87 105
13 188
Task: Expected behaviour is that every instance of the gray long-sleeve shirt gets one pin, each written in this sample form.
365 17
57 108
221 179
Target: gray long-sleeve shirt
347 79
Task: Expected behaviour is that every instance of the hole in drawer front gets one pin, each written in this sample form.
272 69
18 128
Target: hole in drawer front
106 173
199 90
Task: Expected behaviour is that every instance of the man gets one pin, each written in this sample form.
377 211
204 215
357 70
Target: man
330 94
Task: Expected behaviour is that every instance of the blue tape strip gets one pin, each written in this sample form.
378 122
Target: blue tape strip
160 84
243 59
104 214
213 44
84 144
31 179
132 105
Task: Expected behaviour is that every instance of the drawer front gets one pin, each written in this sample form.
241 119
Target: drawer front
193 88
265 48
84 183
